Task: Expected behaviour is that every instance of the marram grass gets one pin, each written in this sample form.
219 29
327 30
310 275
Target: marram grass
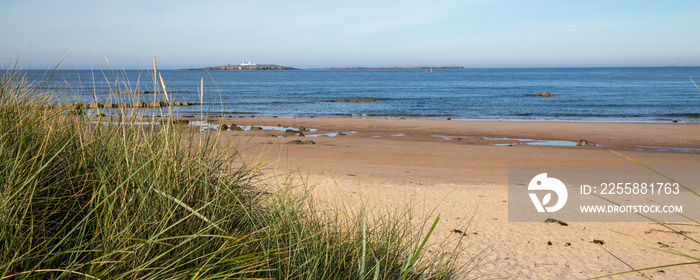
80 200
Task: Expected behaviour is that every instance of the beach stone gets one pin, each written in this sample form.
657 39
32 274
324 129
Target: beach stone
255 128
299 142
550 220
140 104
235 128
341 134
598 241
109 105
582 142
223 127
185 103
291 132
545 94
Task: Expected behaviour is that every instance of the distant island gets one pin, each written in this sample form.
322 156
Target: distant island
395 67
245 66
252 66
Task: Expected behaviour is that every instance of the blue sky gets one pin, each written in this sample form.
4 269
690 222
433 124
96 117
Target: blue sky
126 34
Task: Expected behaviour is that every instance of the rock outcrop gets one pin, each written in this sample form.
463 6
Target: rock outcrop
545 94
140 104
357 100
292 133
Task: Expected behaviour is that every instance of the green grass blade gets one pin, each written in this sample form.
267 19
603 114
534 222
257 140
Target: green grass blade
404 275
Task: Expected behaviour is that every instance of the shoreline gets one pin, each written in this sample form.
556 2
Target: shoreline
622 134
401 117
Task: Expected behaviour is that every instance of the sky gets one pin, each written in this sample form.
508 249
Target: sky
310 33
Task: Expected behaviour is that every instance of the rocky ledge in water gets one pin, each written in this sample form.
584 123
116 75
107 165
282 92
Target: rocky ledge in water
358 100
136 92
129 92
245 67
544 94
155 104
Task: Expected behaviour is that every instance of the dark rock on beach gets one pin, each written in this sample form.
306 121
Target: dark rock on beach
598 241
299 142
550 220
584 142
291 132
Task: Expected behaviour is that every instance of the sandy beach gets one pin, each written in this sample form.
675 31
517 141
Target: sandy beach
459 169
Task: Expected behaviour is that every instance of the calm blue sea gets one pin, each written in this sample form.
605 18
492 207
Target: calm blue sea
588 94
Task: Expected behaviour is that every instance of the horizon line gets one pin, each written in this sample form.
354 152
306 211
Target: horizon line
369 68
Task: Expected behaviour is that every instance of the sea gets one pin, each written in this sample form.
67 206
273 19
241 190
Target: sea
639 94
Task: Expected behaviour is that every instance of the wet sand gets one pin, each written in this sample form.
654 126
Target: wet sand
459 169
